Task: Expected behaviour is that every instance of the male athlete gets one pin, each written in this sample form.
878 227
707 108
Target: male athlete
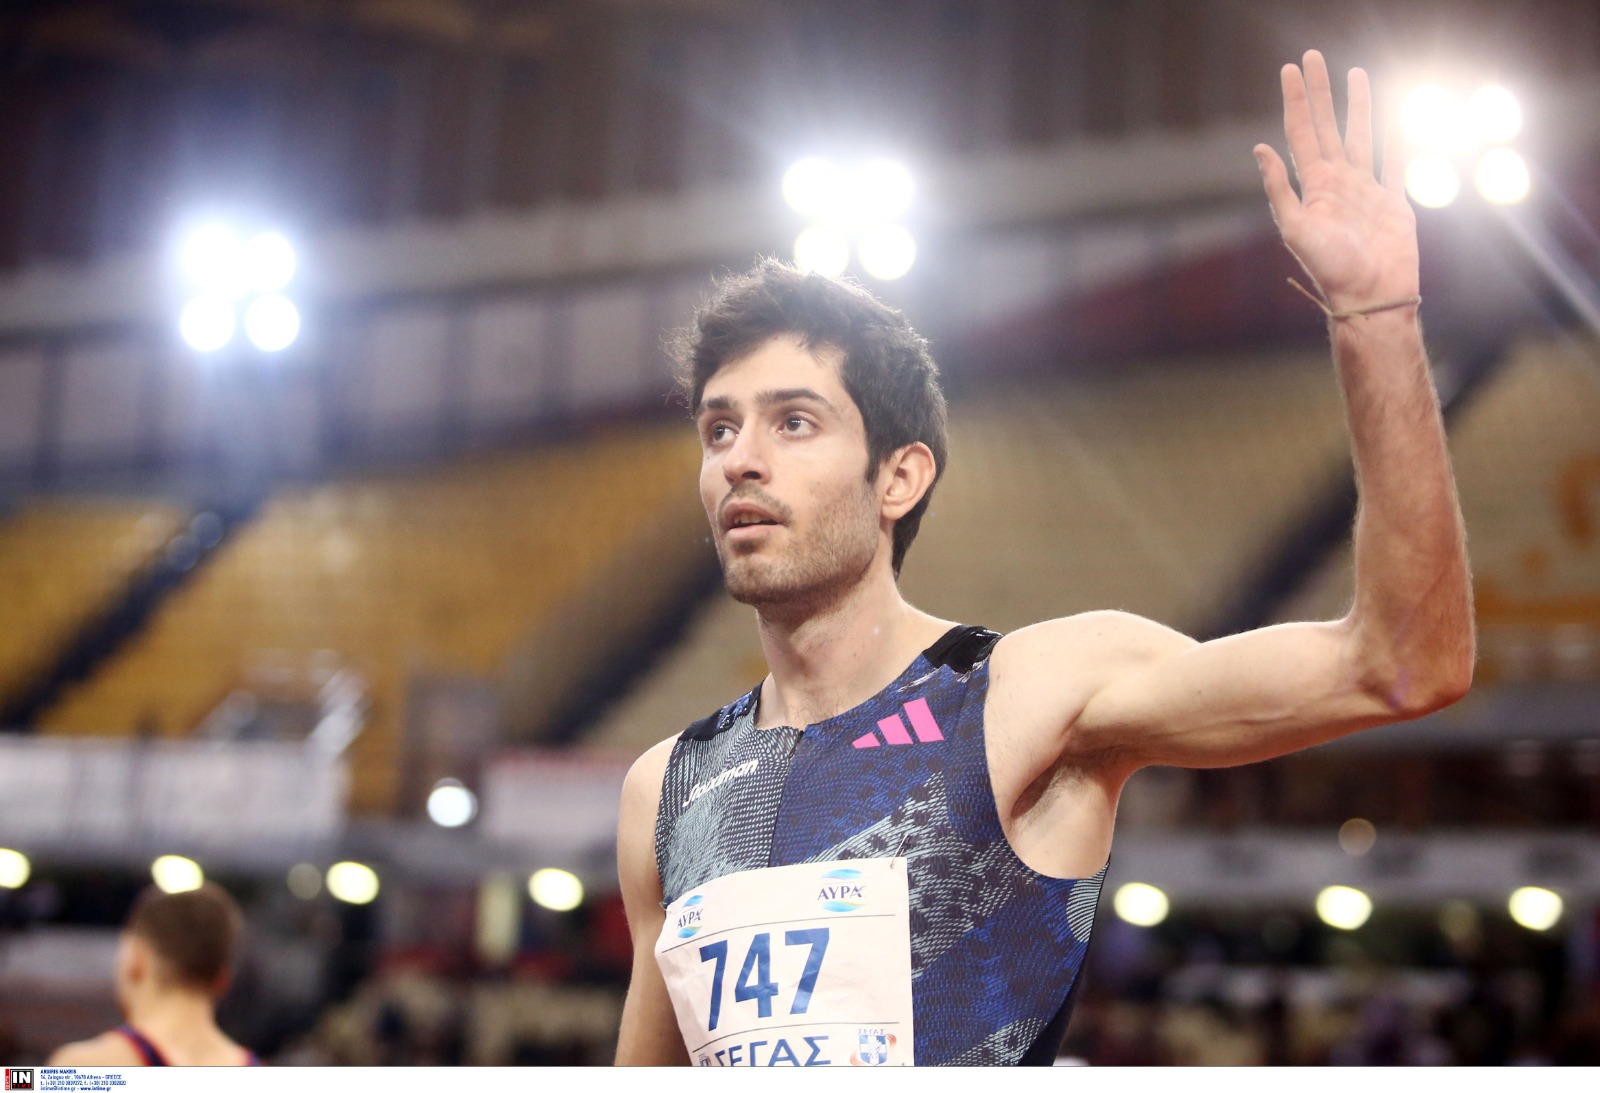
891 850
174 961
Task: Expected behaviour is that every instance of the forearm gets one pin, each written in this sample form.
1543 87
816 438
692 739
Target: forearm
1411 622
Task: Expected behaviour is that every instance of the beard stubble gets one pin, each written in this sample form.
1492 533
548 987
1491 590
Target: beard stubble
811 569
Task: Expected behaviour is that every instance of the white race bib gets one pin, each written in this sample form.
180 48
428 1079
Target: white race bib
799 965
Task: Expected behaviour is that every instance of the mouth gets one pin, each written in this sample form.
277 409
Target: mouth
741 522
748 528
748 533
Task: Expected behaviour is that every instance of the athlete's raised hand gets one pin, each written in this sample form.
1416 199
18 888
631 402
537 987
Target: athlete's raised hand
1354 234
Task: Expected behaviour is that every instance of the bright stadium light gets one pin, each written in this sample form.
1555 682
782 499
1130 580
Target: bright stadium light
14 868
272 323
269 262
814 187
872 191
451 804
1494 114
1436 120
233 277
1502 177
1432 180
1343 908
822 249
881 189
213 259
860 206
1141 904
555 889
352 882
173 873
207 323
1535 908
887 251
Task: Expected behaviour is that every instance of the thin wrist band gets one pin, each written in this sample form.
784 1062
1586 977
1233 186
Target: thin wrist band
1351 313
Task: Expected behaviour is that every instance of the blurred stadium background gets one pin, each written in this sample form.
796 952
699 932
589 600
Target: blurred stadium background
349 549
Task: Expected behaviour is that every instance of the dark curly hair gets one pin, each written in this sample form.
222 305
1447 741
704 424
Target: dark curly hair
886 365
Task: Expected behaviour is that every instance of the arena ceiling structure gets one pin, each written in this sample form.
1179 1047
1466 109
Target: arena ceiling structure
435 147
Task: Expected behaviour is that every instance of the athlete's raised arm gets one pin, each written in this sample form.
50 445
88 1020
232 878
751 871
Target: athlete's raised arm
649 1034
1406 647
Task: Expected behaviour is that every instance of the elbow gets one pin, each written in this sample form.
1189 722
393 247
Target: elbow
1416 690
1447 690
1418 682
1451 677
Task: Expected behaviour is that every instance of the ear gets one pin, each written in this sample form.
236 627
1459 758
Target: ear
904 478
135 961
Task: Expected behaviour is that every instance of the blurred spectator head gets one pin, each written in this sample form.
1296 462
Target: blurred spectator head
181 940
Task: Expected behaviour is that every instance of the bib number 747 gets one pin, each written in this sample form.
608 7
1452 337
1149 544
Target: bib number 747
755 978
793 965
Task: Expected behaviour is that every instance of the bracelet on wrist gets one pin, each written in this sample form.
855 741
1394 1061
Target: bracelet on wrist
1353 312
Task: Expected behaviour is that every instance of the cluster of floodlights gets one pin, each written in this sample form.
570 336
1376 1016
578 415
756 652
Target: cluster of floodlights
1457 134
1340 906
1137 903
233 280
345 881
852 209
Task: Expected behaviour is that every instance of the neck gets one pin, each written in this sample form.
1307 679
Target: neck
832 657
171 1013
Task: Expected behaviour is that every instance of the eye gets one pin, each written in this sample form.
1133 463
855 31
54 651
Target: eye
717 432
794 423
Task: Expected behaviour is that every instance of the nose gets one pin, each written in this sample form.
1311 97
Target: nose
746 459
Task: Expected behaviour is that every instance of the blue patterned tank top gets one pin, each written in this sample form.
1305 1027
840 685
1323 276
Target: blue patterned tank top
996 948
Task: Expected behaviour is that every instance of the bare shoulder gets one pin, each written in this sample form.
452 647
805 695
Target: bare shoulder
636 825
1090 647
1044 676
107 1049
641 789
648 1035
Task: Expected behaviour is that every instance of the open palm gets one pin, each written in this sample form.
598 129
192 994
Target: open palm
1355 236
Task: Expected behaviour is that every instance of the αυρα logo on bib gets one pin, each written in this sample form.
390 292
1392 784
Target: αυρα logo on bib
842 891
688 922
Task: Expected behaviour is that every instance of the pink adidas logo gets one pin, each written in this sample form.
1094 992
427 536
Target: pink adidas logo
894 728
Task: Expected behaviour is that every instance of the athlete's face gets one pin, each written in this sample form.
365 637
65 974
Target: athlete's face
783 479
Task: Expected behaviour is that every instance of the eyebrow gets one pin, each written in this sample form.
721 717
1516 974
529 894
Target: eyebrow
765 400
